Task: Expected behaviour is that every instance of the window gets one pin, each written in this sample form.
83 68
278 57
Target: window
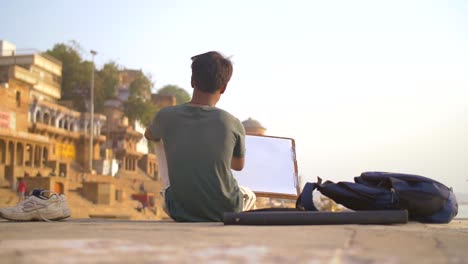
18 98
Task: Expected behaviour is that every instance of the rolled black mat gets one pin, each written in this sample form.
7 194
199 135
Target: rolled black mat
316 218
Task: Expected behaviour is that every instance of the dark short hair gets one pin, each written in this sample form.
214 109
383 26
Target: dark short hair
211 71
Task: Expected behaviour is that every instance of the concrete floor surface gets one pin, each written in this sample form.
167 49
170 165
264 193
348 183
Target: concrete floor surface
124 241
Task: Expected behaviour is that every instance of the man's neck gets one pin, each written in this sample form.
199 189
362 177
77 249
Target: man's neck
204 99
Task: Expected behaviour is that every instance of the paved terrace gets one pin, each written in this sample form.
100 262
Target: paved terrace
124 241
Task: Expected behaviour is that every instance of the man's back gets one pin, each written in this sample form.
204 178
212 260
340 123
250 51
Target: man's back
200 142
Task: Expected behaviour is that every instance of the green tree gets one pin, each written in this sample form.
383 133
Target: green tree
110 78
107 81
180 94
139 105
141 87
76 75
142 111
72 70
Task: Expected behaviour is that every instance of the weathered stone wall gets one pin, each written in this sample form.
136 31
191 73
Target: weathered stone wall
149 164
99 192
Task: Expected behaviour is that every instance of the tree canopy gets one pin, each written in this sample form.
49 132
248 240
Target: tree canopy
139 105
180 94
76 74
76 77
76 84
141 87
109 74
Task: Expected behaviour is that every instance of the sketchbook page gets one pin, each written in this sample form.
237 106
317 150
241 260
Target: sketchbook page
269 165
162 164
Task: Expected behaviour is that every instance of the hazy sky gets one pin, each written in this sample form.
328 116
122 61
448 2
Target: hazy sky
360 85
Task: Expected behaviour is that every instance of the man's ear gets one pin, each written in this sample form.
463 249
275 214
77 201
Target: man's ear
222 90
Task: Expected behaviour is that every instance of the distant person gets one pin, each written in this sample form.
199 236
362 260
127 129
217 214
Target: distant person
141 207
142 187
202 143
152 206
21 189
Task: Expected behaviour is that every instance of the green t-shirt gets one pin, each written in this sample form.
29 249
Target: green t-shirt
200 142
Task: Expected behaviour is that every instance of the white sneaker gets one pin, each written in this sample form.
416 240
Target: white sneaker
38 207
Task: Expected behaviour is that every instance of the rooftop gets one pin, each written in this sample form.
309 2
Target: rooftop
252 123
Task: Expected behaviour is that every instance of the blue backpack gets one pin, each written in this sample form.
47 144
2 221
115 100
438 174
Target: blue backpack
425 199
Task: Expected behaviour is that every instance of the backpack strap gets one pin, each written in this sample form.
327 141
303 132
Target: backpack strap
305 200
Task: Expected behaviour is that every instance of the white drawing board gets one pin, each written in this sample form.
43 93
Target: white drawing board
270 168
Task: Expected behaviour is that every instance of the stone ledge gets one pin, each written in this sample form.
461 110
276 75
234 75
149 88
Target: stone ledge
110 216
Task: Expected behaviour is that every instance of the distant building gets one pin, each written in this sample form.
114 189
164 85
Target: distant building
253 127
122 138
163 100
41 135
126 142
42 72
37 134
126 77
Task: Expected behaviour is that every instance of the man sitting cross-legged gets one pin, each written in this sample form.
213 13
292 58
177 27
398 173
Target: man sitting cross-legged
202 143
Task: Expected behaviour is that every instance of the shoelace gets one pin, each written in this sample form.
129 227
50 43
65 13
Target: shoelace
37 210
39 213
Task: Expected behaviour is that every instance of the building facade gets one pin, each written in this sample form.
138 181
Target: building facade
122 138
38 136
43 138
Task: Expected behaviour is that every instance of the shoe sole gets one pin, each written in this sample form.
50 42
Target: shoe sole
34 219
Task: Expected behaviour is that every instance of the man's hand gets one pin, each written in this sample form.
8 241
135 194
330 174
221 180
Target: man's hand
237 164
148 135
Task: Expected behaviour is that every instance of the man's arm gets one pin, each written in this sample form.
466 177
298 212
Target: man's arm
153 131
238 157
149 136
237 164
